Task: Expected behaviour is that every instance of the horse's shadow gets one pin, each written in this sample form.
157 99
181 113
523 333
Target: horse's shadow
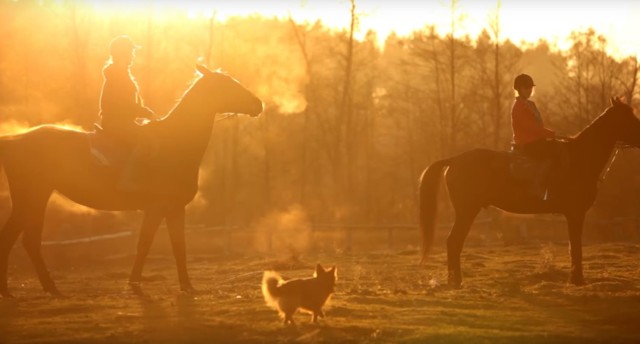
9 312
189 308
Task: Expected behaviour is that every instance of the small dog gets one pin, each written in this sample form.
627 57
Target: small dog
309 294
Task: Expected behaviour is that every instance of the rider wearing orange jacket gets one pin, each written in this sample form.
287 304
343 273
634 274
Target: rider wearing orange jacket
529 133
525 116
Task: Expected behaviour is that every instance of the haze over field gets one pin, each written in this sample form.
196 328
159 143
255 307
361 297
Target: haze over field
360 96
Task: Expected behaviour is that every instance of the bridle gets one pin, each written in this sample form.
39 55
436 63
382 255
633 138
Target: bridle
618 147
225 116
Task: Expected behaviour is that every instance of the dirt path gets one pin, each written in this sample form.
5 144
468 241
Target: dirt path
514 294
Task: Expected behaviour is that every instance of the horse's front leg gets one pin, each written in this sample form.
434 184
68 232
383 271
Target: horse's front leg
575 223
175 224
150 224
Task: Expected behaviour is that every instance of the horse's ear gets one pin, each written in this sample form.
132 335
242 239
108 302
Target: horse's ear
219 70
203 70
616 101
612 101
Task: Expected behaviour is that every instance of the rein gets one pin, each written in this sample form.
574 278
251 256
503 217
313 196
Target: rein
225 116
612 158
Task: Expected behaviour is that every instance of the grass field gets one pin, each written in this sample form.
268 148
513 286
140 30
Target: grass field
514 294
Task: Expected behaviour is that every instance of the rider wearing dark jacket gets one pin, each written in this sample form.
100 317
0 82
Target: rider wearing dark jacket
120 102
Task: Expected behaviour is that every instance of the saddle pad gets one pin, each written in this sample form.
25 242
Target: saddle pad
106 151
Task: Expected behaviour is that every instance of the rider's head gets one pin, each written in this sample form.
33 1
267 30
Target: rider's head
523 84
122 50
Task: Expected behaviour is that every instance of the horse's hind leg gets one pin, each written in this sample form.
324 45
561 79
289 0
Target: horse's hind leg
8 236
32 242
455 241
27 216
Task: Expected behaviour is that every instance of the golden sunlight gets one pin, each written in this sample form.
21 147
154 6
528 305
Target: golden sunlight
519 22
198 171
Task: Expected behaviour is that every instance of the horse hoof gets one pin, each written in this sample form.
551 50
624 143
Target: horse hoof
51 289
6 294
55 293
577 281
136 289
189 290
455 284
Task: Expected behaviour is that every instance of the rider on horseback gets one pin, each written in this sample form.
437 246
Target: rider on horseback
121 105
120 102
532 138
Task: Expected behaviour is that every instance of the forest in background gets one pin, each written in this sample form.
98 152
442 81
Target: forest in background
348 125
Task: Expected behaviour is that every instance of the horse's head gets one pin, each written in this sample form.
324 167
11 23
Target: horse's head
625 126
227 94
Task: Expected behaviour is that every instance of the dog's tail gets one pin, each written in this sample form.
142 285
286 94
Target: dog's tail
270 281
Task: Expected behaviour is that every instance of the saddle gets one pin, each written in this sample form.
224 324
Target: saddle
532 172
105 150
134 164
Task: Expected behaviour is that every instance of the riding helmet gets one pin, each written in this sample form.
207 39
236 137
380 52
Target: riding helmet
122 45
523 80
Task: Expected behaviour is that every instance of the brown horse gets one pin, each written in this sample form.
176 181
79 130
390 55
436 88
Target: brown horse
50 158
480 178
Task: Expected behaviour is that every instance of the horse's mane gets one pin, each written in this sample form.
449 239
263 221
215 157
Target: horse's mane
603 116
596 120
592 123
191 89
190 85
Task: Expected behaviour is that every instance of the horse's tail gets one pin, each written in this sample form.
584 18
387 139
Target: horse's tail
428 203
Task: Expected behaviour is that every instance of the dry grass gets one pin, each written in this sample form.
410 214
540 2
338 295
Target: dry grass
510 294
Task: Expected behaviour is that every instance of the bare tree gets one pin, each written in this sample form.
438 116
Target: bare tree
453 111
589 75
80 33
211 40
494 25
346 102
630 66
301 38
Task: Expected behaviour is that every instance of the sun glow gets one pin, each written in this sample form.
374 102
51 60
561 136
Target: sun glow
519 22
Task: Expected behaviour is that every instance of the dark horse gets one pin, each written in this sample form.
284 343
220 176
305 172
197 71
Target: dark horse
50 158
480 178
